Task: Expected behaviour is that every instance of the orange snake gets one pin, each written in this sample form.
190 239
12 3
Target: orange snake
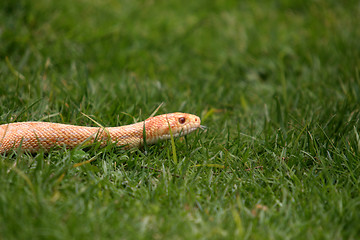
33 136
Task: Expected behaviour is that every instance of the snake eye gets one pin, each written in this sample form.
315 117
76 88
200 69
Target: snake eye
182 120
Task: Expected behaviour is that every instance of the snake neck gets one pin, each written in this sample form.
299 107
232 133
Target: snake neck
130 135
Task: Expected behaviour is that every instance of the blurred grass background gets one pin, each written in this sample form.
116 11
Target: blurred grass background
277 84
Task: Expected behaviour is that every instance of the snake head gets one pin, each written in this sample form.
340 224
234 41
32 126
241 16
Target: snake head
180 124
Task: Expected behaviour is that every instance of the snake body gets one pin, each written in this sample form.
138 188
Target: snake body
33 136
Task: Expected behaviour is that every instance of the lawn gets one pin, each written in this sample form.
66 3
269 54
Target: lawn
277 83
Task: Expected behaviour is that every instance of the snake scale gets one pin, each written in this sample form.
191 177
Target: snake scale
34 136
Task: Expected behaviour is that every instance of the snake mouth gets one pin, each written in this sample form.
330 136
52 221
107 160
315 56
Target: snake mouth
182 132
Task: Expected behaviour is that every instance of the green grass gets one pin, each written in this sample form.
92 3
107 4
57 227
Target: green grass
277 83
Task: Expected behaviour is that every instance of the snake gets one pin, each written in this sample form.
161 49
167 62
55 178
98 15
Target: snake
35 136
